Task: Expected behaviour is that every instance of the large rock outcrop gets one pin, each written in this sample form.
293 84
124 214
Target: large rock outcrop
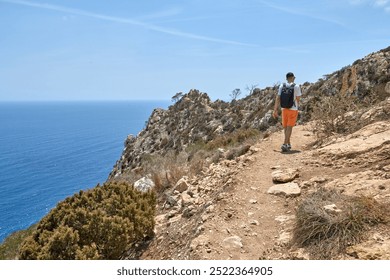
193 119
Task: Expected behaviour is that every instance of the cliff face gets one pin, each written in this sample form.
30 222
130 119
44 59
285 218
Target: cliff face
368 77
195 118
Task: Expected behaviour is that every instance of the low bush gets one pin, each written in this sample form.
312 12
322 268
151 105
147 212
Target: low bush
10 247
329 113
326 234
101 223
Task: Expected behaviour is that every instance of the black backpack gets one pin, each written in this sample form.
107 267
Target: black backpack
287 96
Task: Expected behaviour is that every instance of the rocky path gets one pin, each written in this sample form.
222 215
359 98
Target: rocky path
228 213
250 221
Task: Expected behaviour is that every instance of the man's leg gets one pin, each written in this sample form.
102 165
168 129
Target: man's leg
287 134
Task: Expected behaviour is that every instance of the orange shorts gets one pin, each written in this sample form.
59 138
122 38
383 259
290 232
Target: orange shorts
289 117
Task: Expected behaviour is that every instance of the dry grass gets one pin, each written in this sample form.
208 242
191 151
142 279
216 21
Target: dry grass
326 235
169 168
330 115
235 138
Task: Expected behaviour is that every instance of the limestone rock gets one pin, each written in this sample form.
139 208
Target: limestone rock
144 184
332 209
234 242
182 185
371 250
284 238
387 88
368 138
300 254
284 176
130 139
288 189
368 183
284 218
318 179
186 199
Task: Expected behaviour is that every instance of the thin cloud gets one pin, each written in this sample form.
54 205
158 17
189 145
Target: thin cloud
301 13
145 25
161 14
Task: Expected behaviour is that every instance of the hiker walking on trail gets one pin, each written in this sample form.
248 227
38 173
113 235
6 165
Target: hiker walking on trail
288 98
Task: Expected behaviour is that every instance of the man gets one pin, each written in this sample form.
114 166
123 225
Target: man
289 111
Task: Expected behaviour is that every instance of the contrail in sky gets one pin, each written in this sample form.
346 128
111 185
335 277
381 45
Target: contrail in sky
126 21
289 10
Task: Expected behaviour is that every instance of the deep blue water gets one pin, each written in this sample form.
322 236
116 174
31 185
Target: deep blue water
49 151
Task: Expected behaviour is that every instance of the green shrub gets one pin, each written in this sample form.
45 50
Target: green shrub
101 223
10 246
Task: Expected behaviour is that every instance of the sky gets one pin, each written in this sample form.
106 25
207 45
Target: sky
56 50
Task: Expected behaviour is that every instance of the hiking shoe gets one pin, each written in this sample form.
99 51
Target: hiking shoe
288 147
284 148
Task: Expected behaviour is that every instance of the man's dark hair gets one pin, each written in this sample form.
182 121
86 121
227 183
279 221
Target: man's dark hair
289 74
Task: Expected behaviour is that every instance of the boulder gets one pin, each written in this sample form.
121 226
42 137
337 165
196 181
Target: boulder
371 250
144 184
182 185
288 189
186 199
285 176
129 139
367 183
368 138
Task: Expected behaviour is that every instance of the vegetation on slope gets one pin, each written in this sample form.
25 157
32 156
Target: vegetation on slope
101 223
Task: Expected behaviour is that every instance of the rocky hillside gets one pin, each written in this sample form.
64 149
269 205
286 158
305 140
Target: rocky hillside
247 208
253 206
194 118
368 77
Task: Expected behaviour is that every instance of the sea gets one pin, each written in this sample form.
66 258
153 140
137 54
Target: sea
52 150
